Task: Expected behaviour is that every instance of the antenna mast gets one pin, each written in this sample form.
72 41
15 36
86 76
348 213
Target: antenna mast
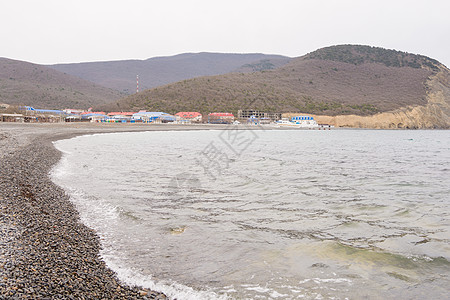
137 84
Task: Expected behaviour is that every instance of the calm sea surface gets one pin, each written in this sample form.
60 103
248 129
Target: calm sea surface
268 214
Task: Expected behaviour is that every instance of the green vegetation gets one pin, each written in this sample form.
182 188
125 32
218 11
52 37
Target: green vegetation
263 65
357 55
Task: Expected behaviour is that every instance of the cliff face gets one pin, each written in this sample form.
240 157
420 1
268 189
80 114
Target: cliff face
435 114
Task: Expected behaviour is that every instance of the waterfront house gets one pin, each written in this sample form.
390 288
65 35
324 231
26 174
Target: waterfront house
43 115
248 113
120 116
12 118
304 121
95 117
194 117
93 112
154 117
301 118
220 118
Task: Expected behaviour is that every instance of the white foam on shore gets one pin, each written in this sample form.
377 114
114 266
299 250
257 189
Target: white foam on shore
101 216
173 290
89 215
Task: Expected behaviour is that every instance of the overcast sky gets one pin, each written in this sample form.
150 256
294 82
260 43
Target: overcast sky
59 31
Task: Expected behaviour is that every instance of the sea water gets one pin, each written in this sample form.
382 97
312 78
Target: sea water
268 214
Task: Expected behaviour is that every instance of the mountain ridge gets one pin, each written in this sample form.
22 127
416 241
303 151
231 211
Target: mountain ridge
359 80
161 70
24 83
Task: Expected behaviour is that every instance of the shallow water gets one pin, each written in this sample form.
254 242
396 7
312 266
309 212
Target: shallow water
268 214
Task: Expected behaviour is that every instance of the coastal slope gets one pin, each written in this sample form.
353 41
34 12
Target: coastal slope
434 114
346 85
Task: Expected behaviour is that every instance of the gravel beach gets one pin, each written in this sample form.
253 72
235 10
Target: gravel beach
45 251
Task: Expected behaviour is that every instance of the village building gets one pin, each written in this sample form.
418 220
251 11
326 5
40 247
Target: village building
121 115
94 117
93 112
154 117
194 117
265 117
33 115
73 118
301 118
12 118
74 111
220 118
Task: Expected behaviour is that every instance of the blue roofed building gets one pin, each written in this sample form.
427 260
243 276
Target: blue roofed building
43 115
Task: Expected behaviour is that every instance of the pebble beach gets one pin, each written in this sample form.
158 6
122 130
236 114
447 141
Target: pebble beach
45 251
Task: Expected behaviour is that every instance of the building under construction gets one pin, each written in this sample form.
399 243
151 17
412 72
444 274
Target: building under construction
246 114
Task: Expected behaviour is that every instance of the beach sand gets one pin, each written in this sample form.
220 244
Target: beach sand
45 251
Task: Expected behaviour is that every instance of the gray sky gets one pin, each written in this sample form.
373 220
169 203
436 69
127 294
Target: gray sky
57 31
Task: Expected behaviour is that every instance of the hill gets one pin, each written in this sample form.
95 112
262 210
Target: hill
157 71
334 81
23 83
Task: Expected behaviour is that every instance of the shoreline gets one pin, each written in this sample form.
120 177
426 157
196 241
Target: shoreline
45 250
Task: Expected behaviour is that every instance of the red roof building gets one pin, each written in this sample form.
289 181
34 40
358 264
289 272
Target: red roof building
192 116
188 115
220 118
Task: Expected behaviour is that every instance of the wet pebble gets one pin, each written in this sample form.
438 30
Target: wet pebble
45 251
